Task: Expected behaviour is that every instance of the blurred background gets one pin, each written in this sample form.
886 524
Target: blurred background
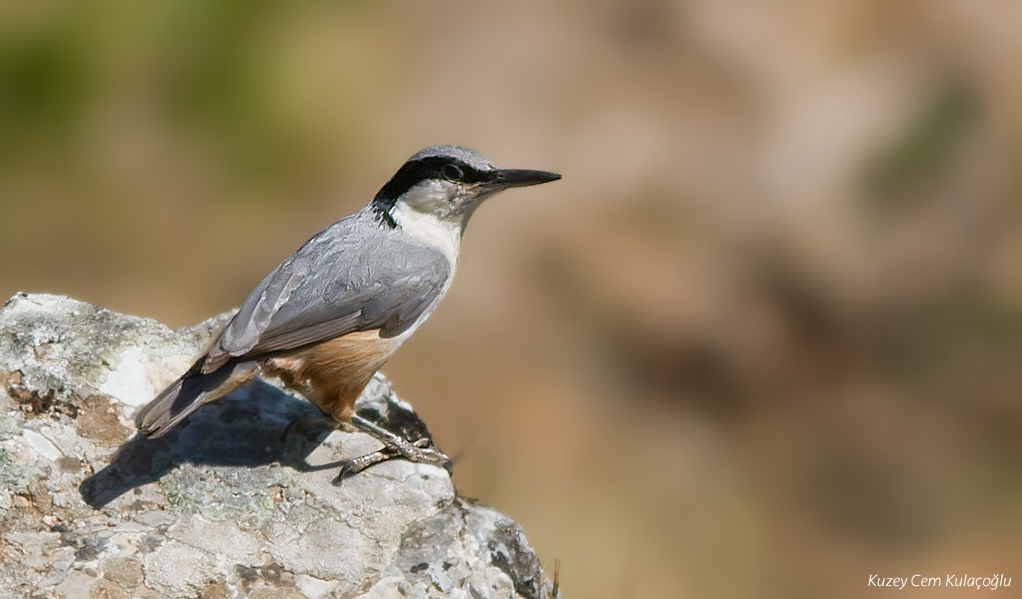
762 340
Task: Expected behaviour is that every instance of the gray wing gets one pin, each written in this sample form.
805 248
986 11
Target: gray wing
351 277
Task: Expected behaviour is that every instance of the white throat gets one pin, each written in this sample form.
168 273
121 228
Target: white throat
429 230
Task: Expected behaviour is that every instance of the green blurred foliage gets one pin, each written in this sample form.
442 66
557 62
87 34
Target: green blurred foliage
46 83
927 146
219 72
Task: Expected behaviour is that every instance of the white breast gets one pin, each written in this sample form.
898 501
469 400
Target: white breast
429 230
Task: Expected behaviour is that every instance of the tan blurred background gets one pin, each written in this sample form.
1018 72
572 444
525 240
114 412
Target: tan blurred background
762 340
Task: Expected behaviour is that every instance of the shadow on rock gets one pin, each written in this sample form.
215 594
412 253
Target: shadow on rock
245 428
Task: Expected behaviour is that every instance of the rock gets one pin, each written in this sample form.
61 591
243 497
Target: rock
221 506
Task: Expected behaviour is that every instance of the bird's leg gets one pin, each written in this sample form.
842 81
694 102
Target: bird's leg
394 446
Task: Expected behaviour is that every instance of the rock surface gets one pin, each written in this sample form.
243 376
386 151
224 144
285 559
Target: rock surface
222 506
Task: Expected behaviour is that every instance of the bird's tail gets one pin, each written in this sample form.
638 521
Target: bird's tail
188 393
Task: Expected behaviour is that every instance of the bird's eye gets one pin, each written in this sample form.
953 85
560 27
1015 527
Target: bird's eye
451 172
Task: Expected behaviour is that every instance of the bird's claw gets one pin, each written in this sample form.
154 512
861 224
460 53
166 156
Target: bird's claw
421 451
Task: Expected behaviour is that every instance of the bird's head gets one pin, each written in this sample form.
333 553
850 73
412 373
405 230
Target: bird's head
449 183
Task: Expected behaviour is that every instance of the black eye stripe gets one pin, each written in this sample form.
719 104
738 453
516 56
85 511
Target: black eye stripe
432 167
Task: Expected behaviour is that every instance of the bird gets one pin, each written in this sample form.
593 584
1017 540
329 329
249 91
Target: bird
328 317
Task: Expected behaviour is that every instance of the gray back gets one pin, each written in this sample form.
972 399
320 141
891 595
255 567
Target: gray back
356 275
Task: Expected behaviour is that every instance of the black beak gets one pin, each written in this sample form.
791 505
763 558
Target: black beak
513 177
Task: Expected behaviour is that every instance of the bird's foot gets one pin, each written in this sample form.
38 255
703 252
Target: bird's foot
421 451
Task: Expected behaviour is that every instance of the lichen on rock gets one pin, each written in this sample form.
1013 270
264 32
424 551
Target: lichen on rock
223 505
